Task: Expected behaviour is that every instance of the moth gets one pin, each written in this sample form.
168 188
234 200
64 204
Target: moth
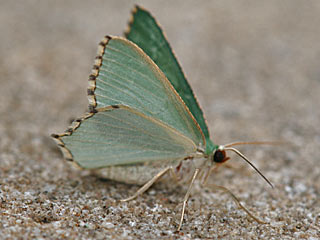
144 121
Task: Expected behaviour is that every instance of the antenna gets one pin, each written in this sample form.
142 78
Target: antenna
228 148
256 143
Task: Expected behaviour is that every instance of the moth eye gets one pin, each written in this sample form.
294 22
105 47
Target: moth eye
219 156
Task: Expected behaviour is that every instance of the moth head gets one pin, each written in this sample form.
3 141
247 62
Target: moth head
219 155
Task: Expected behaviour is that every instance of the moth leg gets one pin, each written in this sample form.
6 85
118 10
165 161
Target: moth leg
235 199
173 175
186 197
148 184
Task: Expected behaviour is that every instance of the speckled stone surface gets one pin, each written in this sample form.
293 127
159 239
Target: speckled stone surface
254 67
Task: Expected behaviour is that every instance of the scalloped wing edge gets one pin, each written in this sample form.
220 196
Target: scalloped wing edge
75 124
95 72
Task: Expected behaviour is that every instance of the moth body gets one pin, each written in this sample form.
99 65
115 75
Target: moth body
141 173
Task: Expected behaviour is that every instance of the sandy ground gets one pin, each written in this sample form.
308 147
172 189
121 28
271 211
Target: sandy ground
254 67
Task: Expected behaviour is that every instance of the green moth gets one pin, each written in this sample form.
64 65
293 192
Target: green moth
144 120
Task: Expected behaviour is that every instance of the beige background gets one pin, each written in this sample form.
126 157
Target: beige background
254 66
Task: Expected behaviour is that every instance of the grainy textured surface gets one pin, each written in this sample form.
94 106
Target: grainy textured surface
254 67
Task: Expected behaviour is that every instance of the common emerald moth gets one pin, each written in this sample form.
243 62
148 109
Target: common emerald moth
143 120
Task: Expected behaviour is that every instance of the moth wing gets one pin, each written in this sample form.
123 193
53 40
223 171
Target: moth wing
147 34
119 135
124 75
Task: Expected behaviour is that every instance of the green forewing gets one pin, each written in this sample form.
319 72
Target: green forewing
117 136
147 34
127 76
